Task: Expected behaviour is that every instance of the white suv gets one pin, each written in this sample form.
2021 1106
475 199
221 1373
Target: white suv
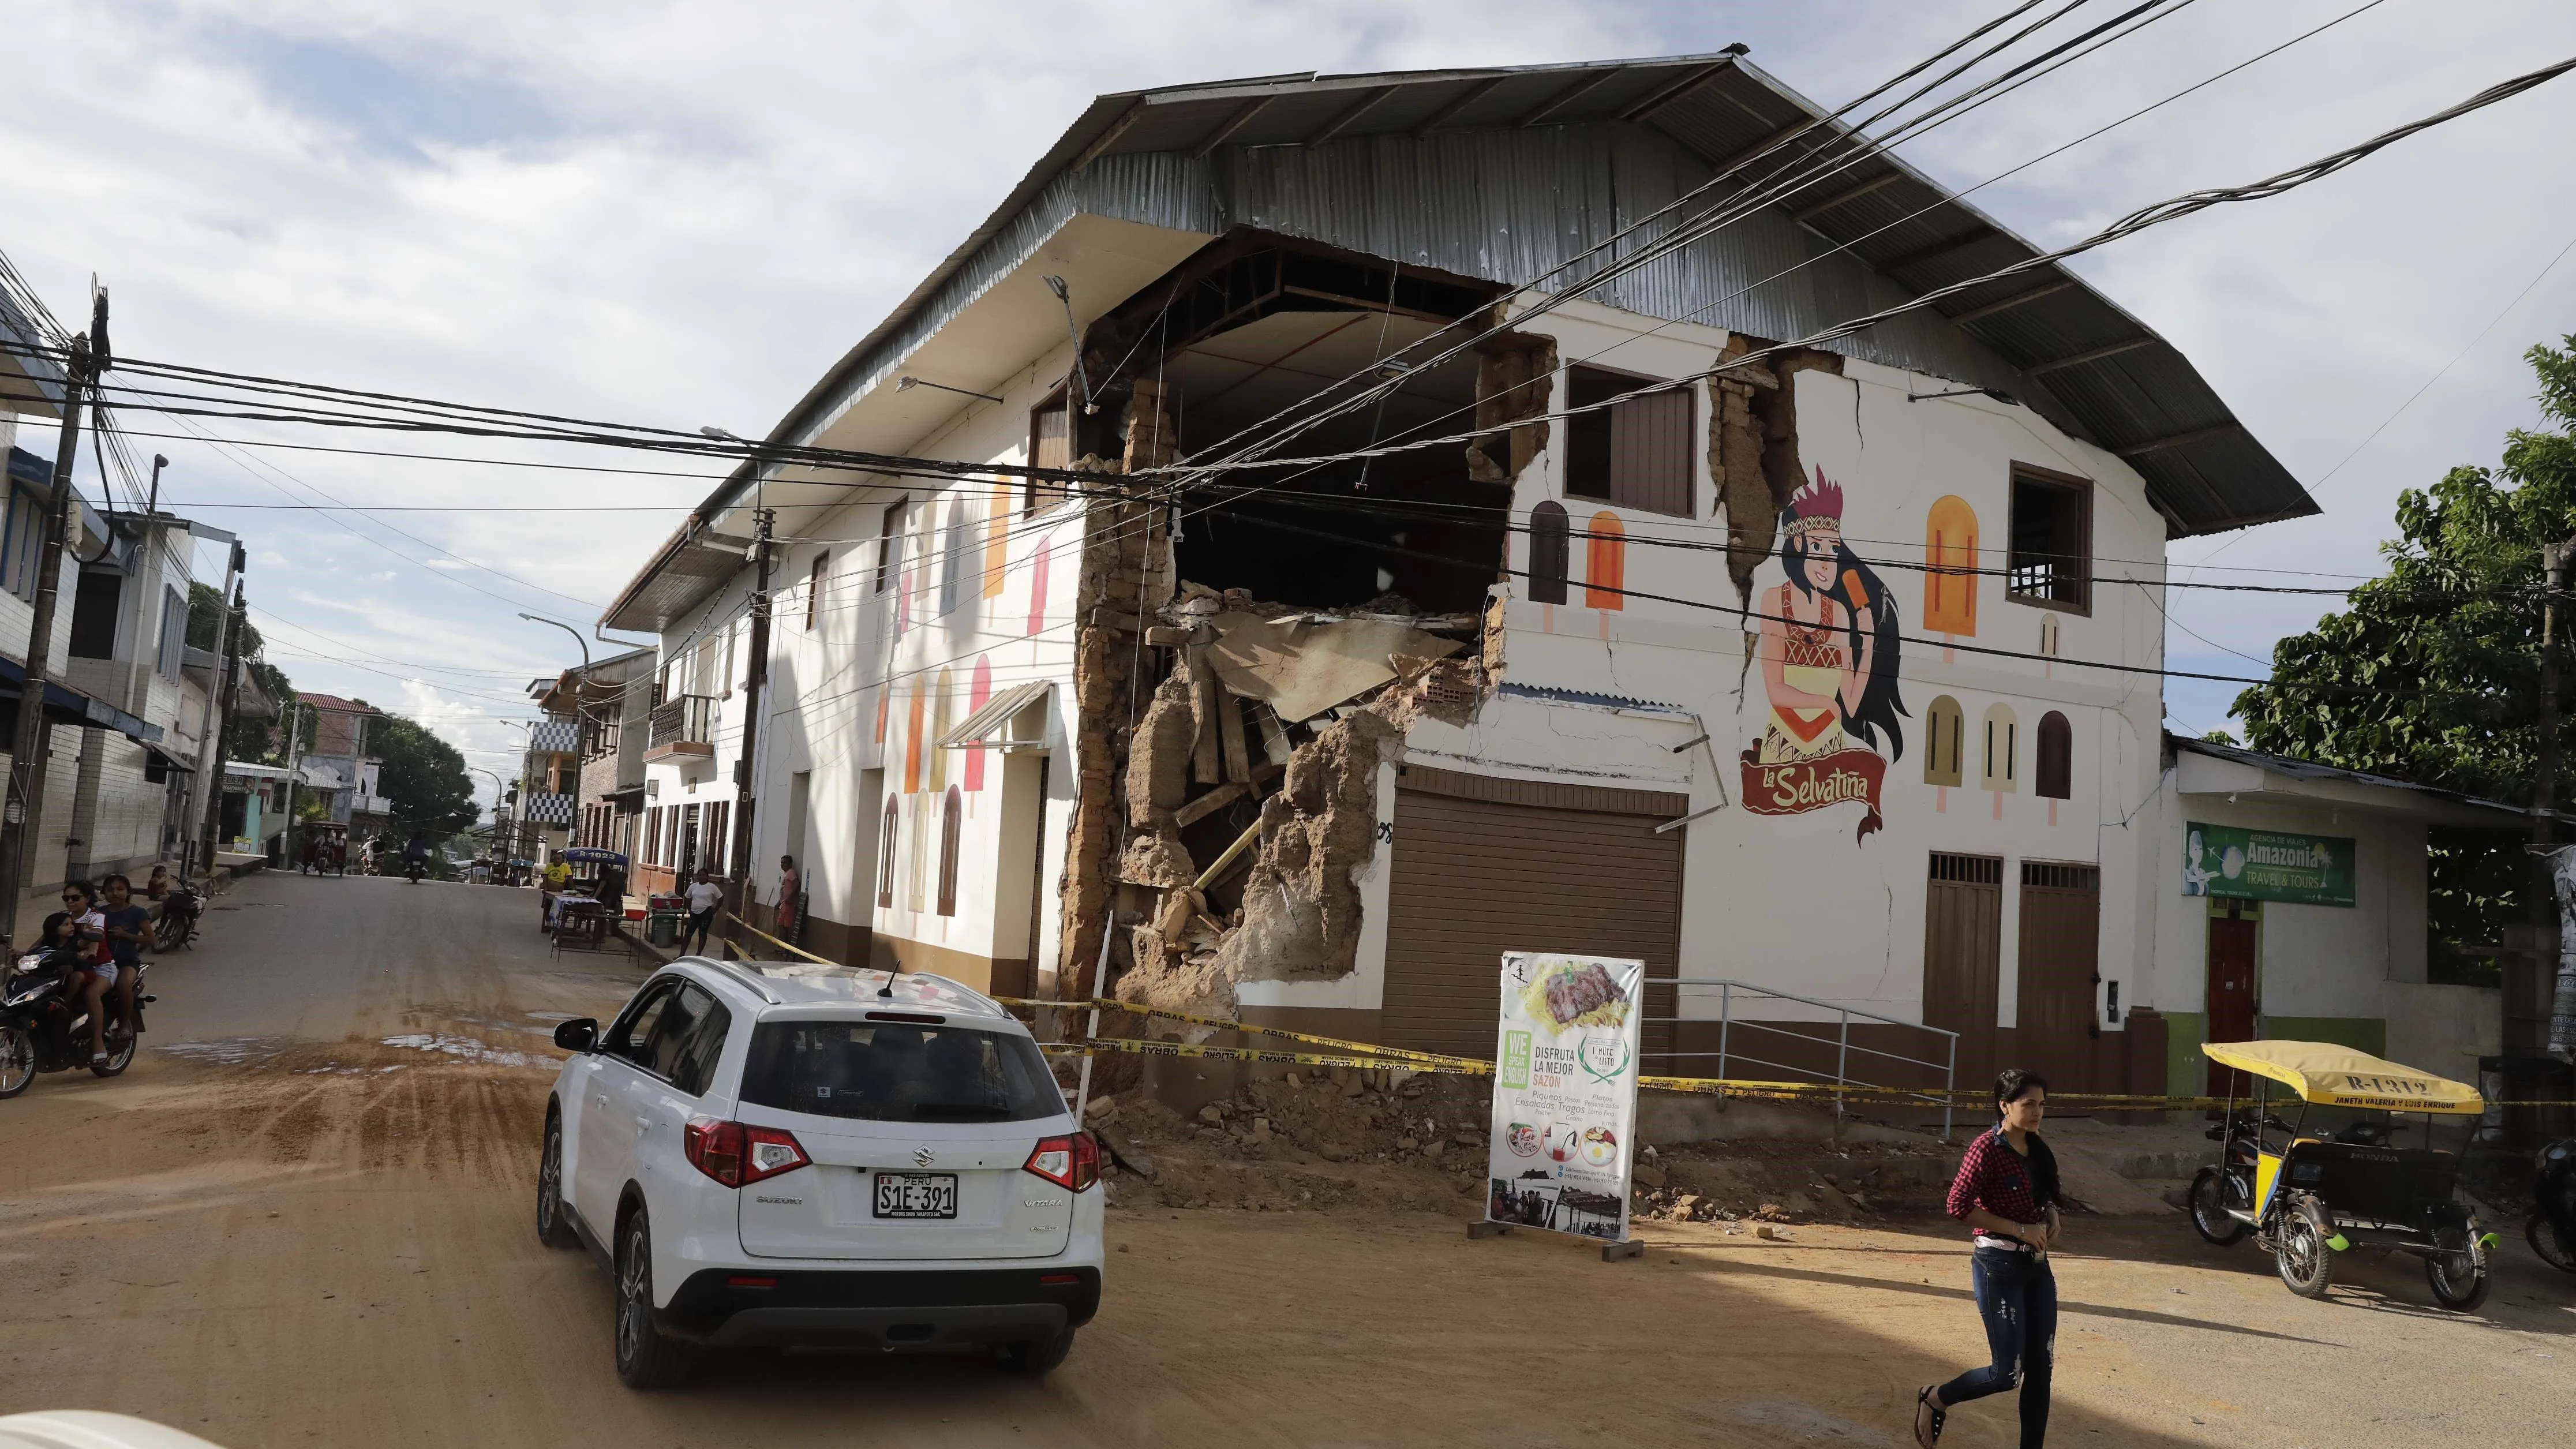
767 1154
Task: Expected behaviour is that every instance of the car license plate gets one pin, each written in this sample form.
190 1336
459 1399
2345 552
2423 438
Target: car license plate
916 1194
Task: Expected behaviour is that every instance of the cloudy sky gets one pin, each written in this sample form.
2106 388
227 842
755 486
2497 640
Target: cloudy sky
681 214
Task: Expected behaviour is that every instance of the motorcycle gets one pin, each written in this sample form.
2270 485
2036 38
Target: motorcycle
177 924
2552 1228
414 867
44 1028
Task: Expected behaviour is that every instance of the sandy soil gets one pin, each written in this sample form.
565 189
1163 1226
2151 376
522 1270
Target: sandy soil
286 1238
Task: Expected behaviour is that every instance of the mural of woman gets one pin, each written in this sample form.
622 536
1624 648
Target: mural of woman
1829 640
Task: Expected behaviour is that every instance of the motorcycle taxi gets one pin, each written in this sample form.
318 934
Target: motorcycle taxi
2308 1198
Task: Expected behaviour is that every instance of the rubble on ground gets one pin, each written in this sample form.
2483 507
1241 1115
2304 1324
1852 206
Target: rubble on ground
1399 1141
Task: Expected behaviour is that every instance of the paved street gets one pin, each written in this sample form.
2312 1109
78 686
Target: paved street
303 1219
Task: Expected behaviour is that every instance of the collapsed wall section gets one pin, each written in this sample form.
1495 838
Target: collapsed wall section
1753 449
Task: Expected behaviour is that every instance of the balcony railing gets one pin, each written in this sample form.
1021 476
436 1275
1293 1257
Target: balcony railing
682 725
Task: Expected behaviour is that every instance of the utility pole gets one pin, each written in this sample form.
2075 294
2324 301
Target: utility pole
2558 889
22 817
745 781
209 799
294 766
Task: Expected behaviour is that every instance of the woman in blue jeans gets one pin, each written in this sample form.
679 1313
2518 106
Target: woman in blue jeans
2006 1192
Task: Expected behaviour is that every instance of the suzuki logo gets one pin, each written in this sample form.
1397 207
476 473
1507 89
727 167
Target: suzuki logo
922 1156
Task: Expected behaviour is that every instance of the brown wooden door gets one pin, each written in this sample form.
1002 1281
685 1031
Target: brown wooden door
1474 878
2061 944
1963 943
2232 1004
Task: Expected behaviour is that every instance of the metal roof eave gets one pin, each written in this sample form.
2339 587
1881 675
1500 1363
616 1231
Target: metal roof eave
2310 772
1097 129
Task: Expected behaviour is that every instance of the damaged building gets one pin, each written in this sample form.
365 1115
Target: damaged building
1573 633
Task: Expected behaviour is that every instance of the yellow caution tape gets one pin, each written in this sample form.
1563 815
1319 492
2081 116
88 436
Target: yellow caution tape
1137 1047
781 945
1422 1060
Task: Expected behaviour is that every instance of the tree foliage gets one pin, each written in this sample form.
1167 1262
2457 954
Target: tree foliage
251 739
2432 672
422 775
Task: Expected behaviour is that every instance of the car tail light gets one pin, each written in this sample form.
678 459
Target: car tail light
1072 1162
736 1155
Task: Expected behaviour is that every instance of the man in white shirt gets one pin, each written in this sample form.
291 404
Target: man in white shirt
704 896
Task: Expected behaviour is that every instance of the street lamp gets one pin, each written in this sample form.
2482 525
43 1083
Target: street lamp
567 628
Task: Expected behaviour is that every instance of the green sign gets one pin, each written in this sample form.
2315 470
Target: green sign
1516 1059
2266 865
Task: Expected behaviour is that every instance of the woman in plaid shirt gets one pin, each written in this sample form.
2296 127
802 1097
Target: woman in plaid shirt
2006 1192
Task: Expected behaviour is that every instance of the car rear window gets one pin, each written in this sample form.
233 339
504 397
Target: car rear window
889 1072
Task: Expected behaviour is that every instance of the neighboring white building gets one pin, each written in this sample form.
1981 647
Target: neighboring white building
1833 674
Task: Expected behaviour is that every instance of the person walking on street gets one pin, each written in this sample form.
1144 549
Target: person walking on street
308 859
2006 1192
704 896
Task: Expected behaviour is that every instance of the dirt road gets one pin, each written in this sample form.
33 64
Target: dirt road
303 1220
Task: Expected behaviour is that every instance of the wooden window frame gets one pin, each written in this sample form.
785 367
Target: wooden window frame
1059 402
816 577
952 829
1686 487
890 542
2080 563
2064 773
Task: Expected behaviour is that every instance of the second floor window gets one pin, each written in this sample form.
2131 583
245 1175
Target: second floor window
1635 454
2050 562
1050 446
814 588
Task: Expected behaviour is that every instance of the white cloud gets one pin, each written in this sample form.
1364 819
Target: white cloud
680 214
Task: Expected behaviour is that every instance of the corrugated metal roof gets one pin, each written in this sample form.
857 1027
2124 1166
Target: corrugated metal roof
2298 769
1503 174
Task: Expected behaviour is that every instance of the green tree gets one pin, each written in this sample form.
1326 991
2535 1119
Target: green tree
422 775
252 739
2432 672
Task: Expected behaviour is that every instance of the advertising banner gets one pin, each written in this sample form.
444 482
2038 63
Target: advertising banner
2266 865
1565 1094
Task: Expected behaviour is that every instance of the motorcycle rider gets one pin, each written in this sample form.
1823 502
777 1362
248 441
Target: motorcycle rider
89 933
129 933
416 853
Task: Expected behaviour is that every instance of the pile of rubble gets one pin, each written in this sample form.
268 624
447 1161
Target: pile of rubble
1791 1181
1396 1141
1385 1141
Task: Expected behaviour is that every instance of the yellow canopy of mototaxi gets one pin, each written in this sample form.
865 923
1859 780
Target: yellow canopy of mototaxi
2337 1076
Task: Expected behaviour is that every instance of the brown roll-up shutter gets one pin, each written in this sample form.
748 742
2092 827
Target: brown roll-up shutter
1475 876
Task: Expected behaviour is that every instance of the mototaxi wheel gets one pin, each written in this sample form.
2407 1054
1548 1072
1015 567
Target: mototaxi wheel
2305 1261
2537 1229
2211 1188
17 1058
2458 1271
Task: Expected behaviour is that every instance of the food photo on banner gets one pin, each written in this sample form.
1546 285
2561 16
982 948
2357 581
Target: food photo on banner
1565 1093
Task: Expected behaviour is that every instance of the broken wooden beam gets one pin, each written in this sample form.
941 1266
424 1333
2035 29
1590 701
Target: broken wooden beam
1208 804
1229 729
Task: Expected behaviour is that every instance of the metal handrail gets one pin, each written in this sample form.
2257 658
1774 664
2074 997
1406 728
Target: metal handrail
1841 1040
